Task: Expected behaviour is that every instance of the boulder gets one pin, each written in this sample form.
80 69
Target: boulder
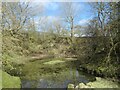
70 85
82 85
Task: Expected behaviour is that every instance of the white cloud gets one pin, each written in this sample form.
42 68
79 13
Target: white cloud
47 19
83 21
53 18
60 0
39 0
50 5
46 5
76 35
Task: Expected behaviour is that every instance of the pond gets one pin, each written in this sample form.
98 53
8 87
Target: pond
53 73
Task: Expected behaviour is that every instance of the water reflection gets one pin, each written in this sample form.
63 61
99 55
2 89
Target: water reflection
61 80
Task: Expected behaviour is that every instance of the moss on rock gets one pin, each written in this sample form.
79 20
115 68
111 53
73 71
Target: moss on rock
99 83
9 81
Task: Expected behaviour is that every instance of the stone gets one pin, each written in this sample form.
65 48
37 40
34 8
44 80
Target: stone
82 85
70 85
77 87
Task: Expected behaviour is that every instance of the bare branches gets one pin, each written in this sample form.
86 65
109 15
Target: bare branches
15 15
70 12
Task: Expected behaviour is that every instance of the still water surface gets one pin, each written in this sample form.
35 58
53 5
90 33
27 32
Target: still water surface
45 74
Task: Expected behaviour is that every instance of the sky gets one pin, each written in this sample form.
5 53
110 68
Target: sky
52 11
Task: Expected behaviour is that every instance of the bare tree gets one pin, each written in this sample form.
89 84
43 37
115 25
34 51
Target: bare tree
58 25
92 28
113 31
107 13
100 10
70 12
15 15
77 30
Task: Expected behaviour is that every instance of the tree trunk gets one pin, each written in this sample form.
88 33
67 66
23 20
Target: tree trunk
72 29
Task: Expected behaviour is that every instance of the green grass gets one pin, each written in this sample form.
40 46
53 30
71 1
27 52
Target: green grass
9 81
54 62
43 67
0 79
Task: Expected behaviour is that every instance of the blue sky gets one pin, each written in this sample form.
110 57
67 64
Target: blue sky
52 10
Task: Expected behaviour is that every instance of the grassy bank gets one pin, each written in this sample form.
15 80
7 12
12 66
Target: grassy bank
99 67
45 66
9 81
95 57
